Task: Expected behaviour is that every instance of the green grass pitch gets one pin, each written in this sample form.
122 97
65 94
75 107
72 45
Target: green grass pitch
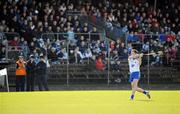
89 102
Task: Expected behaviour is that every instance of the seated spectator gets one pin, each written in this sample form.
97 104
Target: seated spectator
122 51
85 33
63 54
156 59
95 48
3 53
115 66
145 47
129 48
170 37
162 37
114 55
112 45
14 42
172 53
56 45
71 36
53 56
88 54
99 64
78 55
94 34
32 47
83 47
132 37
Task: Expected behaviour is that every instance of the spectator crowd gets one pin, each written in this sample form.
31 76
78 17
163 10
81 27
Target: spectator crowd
80 41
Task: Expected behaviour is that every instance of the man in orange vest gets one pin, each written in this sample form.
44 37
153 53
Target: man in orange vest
20 74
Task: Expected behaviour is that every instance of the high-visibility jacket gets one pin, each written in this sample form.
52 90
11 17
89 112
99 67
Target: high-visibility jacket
20 70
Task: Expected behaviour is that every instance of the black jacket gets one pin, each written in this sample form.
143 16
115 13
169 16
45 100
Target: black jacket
41 67
30 67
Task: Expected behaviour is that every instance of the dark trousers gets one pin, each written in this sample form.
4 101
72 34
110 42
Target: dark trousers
42 82
20 83
30 82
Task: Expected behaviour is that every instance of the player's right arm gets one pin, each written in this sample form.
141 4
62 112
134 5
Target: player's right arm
136 56
140 60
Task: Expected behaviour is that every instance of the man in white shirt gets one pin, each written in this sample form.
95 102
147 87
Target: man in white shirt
134 61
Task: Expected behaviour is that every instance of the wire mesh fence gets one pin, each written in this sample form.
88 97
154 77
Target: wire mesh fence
92 58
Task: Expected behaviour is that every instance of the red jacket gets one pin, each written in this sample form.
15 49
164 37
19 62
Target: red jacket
99 64
13 43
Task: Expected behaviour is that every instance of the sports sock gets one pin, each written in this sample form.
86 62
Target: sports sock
132 96
145 92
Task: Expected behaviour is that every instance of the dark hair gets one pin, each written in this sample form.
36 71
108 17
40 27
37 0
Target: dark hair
42 57
31 56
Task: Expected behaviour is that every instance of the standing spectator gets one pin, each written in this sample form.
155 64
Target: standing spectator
41 71
30 74
20 74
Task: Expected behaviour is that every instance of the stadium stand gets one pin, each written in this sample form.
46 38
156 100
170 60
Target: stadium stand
70 34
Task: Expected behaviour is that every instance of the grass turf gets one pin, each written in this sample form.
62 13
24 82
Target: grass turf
89 102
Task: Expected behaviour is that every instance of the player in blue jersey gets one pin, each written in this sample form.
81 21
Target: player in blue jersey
134 61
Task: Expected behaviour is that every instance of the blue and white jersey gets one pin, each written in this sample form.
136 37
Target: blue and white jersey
134 65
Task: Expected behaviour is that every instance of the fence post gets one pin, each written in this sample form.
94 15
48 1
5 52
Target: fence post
67 63
148 65
6 50
126 42
89 44
108 56
108 65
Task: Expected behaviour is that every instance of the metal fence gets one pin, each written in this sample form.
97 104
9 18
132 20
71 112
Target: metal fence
11 52
73 57
74 67
161 64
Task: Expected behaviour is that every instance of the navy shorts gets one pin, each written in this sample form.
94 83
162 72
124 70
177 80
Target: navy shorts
134 75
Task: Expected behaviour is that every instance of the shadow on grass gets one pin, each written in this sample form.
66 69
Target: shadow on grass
143 100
